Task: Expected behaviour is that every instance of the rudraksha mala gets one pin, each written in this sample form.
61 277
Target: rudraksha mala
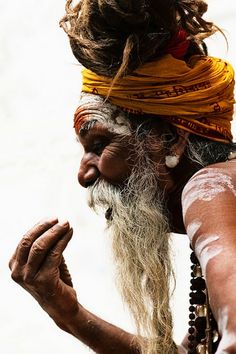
203 336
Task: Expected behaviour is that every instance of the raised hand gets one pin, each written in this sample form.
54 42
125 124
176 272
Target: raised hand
39 267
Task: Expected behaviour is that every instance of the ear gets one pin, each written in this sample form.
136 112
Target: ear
179 146
177 150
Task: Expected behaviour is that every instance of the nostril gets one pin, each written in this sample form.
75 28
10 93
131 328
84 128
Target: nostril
89 178
89 183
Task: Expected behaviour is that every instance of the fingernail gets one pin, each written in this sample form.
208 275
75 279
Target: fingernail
70 231
52 219
49 220
63 223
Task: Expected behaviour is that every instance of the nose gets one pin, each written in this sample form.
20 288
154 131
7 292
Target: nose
88 171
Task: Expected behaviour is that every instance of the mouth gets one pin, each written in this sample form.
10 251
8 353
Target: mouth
108 214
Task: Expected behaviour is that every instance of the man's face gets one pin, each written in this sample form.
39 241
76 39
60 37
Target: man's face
110 152
107 153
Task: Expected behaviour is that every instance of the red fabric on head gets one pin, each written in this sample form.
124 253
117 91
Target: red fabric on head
178 45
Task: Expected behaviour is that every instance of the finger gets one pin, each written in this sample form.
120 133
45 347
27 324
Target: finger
64 273
52 261
54 258
22 251
43 245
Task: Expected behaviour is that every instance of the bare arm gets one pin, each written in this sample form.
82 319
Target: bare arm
209 206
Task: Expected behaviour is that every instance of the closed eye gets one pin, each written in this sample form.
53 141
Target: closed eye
98 146
96 139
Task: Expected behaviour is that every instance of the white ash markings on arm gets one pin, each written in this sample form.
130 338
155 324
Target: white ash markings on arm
228 338
205 185
207 254
204 253
182 349
192 228
202 242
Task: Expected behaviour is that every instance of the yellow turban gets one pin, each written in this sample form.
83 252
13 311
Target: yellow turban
196 96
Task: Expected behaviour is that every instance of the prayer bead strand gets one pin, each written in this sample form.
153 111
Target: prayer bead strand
203 336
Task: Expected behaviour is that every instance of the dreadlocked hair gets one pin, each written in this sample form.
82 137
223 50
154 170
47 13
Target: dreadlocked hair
114 37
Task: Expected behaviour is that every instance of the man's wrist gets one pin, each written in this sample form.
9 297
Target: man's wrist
67 319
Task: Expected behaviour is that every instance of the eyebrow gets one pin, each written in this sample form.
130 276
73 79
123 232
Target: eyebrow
86 127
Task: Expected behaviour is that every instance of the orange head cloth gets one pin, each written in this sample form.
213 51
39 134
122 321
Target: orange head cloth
196 96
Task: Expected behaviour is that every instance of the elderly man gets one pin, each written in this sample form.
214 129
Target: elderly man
154 122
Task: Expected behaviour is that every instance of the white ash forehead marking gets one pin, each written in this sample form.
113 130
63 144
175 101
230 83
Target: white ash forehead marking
207 254
106 113
228 338
206 185
193 228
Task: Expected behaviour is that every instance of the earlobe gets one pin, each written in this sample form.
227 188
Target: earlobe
172 160
177 150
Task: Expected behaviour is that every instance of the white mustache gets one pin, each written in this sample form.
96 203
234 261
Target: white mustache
103 195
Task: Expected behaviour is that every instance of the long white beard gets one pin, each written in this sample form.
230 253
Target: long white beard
140 243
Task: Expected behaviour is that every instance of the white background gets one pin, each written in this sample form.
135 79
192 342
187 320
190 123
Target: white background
39 159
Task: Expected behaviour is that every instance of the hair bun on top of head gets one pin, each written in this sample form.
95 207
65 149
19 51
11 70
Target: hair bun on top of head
114 37
104 32
134 14
126 15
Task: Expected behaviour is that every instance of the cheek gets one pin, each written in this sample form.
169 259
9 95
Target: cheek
113 164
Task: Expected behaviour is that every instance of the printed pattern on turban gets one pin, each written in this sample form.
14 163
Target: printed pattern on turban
196 96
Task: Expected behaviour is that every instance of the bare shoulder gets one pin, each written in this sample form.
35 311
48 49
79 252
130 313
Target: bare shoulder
211 177
210 197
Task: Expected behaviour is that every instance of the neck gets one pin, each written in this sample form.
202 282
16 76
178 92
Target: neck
181 174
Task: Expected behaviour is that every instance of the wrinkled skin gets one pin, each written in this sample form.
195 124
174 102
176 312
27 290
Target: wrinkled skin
39 267
110 156
106 155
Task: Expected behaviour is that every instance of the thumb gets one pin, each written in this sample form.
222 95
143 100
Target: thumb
64 273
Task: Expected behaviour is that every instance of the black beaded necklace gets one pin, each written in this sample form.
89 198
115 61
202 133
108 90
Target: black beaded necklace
203 333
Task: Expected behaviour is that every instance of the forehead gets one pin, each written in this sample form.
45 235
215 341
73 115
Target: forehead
94 109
